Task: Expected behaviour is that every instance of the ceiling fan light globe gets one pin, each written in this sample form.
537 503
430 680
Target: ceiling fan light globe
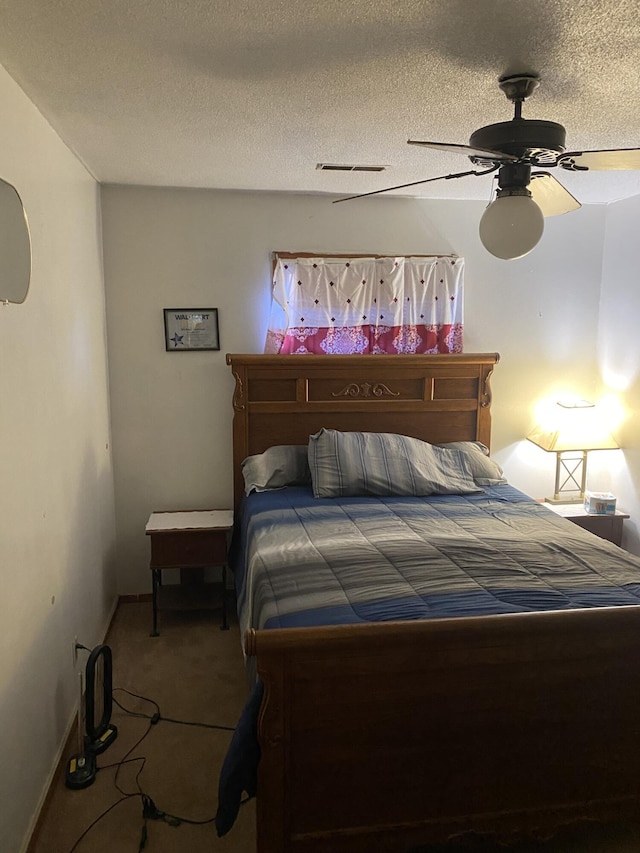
511 226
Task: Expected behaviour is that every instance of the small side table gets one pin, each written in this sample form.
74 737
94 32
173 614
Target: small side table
190 541
607 527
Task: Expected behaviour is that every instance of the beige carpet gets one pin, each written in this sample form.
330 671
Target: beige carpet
195 673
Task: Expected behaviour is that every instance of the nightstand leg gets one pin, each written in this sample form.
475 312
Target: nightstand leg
154 593
225 625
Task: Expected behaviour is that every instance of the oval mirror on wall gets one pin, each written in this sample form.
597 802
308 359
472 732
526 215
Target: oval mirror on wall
15 246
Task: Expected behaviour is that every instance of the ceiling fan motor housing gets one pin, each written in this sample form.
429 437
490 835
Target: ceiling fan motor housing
533 140
513 177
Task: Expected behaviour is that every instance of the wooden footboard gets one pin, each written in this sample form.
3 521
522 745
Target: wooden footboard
391 735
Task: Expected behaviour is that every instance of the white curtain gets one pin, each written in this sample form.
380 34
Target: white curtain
366 305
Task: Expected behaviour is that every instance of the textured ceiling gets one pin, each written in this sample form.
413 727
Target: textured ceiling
252 94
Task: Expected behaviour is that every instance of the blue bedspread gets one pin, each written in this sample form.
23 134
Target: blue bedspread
302 561
306 561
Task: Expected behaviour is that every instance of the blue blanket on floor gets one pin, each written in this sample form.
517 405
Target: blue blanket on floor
239 774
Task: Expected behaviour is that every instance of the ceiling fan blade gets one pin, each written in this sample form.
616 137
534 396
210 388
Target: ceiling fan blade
617 158
415 183
466 149
550 196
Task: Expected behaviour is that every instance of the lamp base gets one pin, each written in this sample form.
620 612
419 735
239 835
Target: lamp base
562 499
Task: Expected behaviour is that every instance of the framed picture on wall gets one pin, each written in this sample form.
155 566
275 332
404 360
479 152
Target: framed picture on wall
189 329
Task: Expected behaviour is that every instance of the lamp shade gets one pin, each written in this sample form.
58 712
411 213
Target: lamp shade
512 225
573 426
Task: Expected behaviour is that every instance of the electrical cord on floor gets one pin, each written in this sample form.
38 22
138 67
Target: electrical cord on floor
136 696
149 812
155 718
99 818
152 812
143 837
149 809
126 756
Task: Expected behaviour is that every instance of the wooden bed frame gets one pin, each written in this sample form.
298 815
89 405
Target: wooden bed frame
389 736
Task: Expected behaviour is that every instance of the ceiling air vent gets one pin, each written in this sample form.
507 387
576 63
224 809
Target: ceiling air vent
338 167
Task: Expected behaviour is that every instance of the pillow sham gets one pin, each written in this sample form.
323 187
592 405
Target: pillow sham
484 470
279 466
368 463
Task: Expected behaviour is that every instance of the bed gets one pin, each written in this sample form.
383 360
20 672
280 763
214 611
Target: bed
387 733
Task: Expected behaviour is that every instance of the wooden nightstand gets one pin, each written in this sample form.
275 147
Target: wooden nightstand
605 526
190 541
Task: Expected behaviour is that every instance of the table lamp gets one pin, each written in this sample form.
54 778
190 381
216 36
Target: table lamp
573 429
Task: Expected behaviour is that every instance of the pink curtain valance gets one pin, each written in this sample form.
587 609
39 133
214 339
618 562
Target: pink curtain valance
366 305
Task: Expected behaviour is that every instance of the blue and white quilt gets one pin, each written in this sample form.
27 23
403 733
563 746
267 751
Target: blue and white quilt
307 561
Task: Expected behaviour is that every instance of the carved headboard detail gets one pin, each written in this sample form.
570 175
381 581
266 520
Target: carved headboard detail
282 399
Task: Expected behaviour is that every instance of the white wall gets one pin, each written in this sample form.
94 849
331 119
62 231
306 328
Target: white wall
57 537
170 248
619 355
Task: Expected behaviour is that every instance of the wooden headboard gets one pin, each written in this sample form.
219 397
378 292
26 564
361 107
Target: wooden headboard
283 399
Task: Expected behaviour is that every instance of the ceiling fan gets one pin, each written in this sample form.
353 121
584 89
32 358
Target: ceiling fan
513 223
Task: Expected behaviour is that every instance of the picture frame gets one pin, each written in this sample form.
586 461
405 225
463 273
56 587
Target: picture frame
191 329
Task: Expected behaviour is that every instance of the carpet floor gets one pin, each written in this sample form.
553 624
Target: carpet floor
195 673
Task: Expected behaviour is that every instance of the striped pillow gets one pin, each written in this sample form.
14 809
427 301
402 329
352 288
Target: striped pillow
370 463
484 470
